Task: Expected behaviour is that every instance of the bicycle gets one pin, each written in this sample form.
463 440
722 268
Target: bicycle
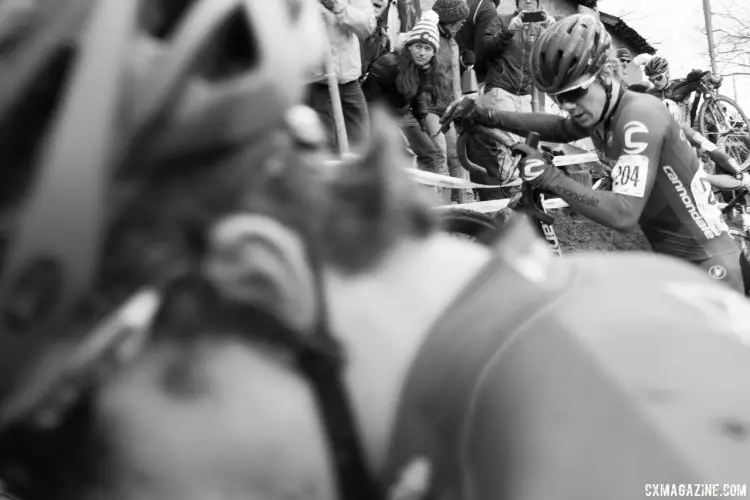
721 120
740 204
477 226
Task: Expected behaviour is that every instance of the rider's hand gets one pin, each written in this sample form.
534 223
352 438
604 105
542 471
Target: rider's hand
516 23
533 164
745 180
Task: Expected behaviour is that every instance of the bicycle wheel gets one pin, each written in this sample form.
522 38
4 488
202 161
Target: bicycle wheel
722 121
468 224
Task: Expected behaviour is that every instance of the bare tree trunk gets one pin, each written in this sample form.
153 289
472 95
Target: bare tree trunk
710 34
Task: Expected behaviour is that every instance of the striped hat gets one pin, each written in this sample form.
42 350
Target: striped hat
425 31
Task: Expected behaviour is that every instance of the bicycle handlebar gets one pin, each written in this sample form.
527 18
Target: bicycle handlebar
737 199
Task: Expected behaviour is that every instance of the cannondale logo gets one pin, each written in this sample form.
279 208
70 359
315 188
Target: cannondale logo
633 147
717 272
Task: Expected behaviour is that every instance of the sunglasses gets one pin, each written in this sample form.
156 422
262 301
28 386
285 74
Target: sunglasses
657 78
625 60
574 94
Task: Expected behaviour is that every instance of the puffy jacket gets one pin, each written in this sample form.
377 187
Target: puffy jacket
448 57
509 54
345 30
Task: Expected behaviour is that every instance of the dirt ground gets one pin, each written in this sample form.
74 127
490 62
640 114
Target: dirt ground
577 233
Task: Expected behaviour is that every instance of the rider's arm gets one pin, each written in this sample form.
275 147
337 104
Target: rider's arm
551 128
723 182
633 176
722 160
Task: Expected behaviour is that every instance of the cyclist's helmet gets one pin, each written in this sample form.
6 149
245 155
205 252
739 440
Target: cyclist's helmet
170 77
88 86
575 47
656 66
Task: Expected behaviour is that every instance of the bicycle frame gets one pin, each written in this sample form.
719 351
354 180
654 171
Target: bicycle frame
532 200
532 203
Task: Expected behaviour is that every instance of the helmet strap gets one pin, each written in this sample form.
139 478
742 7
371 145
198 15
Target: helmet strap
607 102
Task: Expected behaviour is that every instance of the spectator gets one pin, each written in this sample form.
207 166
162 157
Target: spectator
452 15
506 43
394 20
629 69
469 37
347 22
411 81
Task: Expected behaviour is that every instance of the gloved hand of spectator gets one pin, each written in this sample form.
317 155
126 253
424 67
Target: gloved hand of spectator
516 23
533 164
334 6
468 58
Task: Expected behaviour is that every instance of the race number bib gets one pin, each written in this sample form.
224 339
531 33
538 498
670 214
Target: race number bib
629 175
705 202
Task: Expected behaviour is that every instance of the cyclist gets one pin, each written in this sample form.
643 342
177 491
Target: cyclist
658 181
219 377
658 73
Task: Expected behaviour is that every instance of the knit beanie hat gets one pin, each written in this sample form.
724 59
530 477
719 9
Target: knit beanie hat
425 31
451 11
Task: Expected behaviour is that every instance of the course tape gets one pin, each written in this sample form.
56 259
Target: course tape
444 181
491 206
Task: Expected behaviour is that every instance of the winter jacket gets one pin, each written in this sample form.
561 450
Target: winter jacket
448 57
380 86
469 37
355 22
509 54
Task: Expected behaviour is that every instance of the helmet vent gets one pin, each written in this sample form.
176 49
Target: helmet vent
233 51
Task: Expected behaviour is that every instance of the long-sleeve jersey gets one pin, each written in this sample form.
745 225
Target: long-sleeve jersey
658 181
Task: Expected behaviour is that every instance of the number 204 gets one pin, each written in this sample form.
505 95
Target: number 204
626 174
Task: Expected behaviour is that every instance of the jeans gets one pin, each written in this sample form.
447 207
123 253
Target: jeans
353 103
455 168
430 156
